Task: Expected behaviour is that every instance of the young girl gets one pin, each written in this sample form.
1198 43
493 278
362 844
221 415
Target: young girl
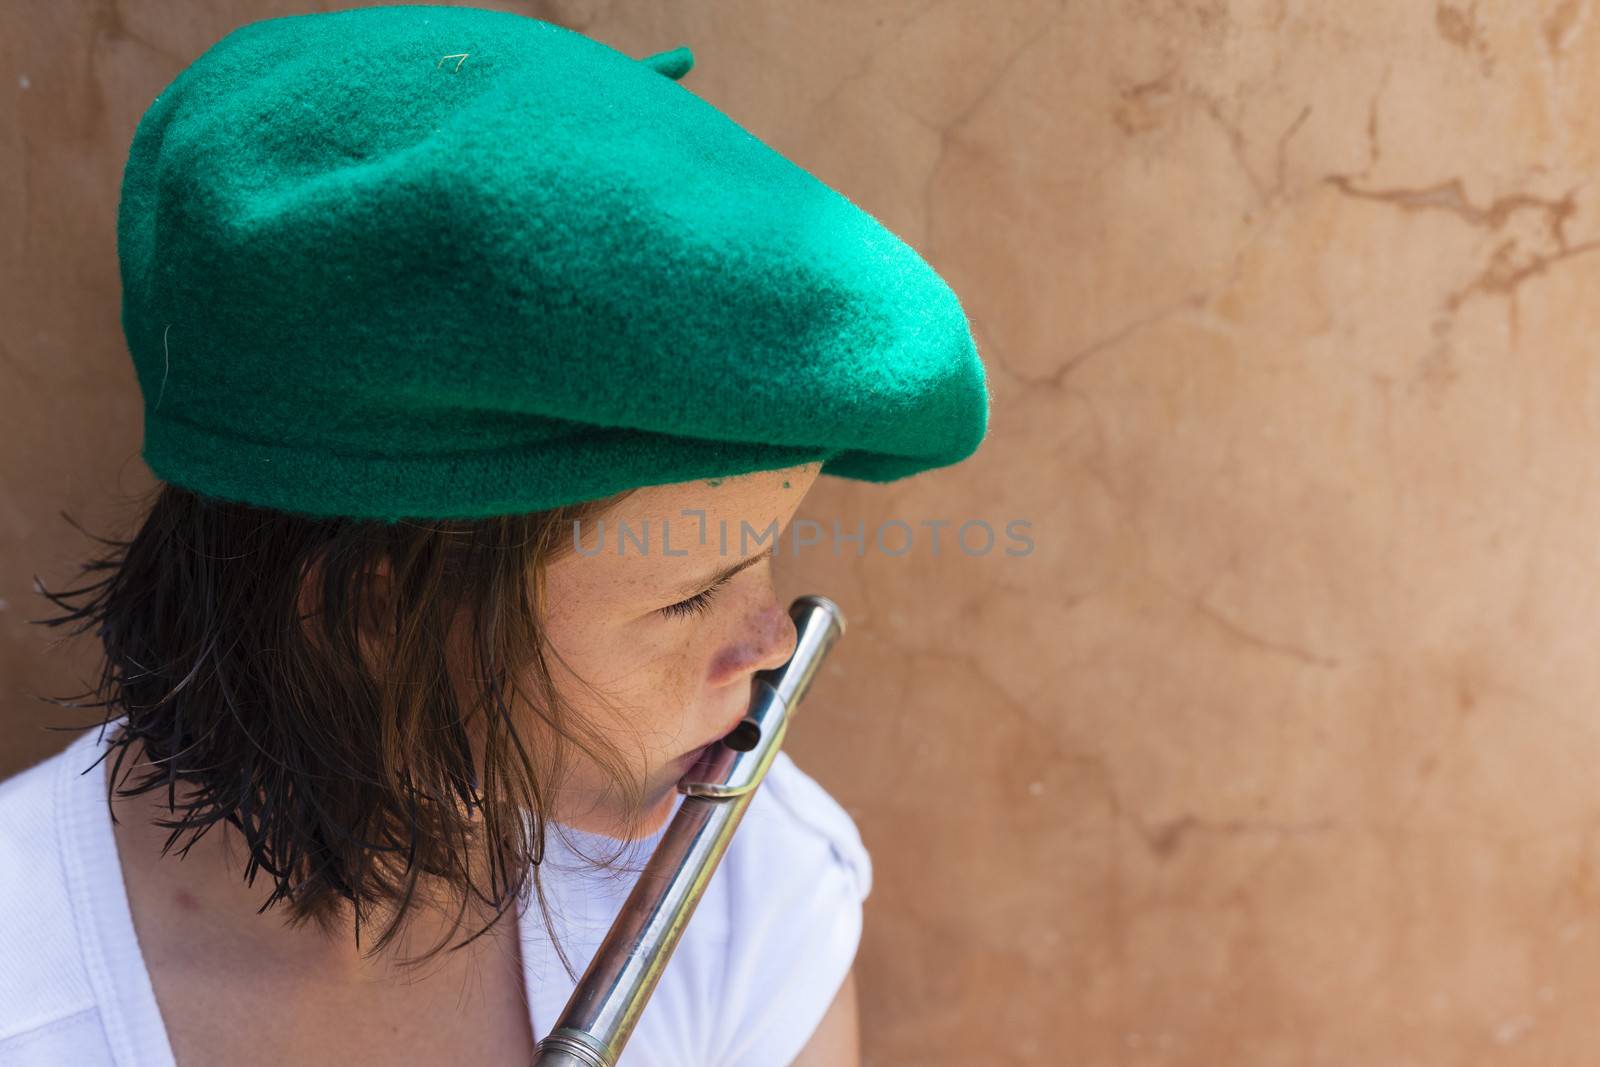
484 368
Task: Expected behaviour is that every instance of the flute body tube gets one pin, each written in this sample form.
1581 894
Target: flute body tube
606 1003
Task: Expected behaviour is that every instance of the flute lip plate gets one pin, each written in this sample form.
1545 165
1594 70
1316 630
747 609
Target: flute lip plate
724 771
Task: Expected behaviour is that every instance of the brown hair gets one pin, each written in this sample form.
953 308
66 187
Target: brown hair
342 751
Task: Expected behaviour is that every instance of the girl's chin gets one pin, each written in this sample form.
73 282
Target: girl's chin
656 817
658 807
655 814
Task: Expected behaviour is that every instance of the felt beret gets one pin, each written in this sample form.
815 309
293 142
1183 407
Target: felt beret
445 262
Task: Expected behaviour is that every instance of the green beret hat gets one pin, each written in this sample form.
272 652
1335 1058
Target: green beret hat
445 262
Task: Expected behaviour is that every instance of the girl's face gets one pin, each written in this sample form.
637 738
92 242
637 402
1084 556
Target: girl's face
669 651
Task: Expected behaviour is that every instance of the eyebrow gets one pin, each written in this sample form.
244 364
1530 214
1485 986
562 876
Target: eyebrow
724 574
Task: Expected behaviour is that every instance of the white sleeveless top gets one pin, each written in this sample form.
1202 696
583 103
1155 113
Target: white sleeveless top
759 963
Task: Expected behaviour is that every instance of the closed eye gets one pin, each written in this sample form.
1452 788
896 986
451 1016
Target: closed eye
695 605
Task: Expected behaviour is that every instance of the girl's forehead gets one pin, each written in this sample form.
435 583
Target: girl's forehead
756 492
662 538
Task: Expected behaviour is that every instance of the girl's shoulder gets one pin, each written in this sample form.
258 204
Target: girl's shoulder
47 1002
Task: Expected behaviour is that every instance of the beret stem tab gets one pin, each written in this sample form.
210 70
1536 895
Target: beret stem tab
674 62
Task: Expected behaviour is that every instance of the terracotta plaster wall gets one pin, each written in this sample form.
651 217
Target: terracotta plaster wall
1280 746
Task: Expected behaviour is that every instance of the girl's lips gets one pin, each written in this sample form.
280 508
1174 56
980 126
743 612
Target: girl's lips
733 724
738 717
689 759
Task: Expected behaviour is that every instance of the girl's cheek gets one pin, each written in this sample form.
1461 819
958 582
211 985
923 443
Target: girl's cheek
677 674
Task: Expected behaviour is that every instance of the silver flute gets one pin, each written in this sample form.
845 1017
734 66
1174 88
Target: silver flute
607 1001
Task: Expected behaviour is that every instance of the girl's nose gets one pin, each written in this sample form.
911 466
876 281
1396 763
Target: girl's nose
765 640
780 637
